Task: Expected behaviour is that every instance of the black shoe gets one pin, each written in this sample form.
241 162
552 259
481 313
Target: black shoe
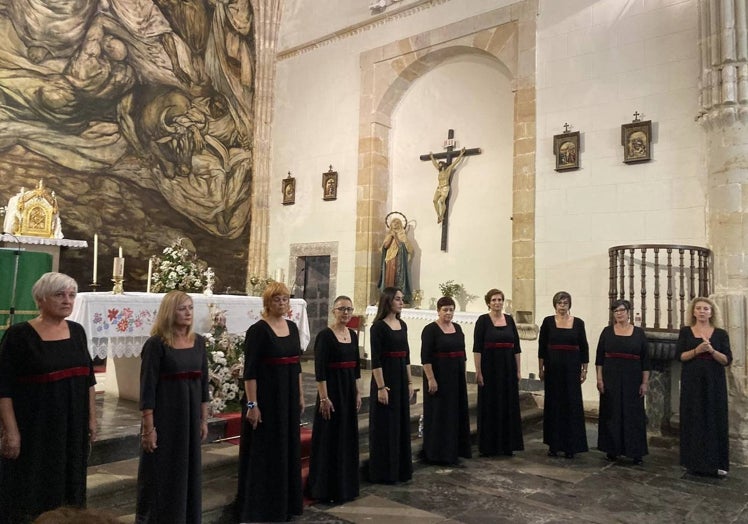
638 461
508 454
569 455
611 457
552 453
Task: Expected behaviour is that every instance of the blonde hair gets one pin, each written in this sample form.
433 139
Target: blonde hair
273 289
715 320
166 317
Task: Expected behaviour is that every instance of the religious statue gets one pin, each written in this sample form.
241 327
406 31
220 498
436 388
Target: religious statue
442 189
396 255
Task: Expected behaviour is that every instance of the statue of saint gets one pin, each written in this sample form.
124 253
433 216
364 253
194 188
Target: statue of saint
396 255
442 189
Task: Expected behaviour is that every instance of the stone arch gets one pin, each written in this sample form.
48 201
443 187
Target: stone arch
508 35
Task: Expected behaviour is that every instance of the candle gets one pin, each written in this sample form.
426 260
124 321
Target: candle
120 251
96 257
150 272
118 269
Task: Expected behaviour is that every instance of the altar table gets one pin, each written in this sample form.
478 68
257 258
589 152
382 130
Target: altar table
118 326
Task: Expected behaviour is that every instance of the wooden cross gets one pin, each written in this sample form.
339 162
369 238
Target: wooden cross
446 172
636 116
566 127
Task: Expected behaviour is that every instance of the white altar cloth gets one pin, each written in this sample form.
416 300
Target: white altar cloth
43 241
119 325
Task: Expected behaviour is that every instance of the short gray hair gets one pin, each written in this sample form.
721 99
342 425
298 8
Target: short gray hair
51 283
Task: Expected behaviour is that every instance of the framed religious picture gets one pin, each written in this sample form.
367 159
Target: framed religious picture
566 150
288 189
636 139
330 185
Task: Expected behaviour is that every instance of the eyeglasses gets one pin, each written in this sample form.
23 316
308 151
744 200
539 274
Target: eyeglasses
621 310
344 309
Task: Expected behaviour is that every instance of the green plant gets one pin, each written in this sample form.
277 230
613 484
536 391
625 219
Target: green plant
450 288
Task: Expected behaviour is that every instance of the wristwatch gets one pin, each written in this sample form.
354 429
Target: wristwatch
251 404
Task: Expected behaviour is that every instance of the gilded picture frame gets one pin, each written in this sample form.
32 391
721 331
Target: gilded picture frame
330 185
288 190
636 139
566 151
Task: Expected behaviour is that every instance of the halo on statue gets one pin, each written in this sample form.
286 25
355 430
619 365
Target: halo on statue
402 217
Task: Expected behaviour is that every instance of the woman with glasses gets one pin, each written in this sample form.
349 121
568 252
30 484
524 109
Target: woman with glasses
563 356
704 349
334 465
497 352
622 365
391 385
47 406
446 422
174 403
270 447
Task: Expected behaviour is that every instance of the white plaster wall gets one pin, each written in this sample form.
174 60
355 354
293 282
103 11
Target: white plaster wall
598 62
474 97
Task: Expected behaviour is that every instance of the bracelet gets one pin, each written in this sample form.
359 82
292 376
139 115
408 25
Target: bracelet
383 387
146 433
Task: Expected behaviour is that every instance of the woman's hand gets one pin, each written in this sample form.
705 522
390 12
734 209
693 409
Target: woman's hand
582 376
10 444
383 396
358 401
203 430
541 373
643 390
254 416
93 430
148 440
479 378
600 386
326 408
411 390
433 386
302 404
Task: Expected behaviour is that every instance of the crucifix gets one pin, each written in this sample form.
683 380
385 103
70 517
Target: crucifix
446 168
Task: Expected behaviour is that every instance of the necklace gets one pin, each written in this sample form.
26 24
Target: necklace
342 336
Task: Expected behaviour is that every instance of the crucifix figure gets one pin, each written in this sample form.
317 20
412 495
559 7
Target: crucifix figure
446 169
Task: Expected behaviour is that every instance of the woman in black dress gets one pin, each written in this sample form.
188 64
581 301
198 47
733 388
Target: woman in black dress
390 457
270 448
704 350
334 465
497 352
174 403
563 355
47 406
622 365
446 422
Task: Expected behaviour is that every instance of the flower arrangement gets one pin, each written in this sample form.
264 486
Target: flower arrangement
178 268
450 288
225 364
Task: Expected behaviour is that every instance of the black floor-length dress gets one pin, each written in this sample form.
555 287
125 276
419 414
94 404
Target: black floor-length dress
49 383
622 428
704 433
334 463
446 421
499 415
563 351
270 456
174 384
390 456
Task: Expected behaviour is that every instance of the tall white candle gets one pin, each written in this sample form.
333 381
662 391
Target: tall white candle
96 257
120 251
150 272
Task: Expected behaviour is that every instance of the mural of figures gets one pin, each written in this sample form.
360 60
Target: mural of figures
138 112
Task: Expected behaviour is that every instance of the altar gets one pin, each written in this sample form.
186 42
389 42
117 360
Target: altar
117 326
41 245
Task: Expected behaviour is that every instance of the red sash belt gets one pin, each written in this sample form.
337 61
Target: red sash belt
394 354
54 376
342 365
186 375
450 354
627 356
705 356
280 361
499 345
563 347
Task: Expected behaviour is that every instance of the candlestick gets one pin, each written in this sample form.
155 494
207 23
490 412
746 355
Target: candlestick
96 258
150 272
118 268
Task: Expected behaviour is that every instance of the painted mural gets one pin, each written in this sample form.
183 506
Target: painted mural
138 114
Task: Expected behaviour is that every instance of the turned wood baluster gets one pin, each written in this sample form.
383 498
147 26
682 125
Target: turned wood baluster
669 288
682 290
643 306
657 287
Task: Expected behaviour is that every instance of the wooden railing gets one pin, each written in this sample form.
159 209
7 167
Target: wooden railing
659 280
